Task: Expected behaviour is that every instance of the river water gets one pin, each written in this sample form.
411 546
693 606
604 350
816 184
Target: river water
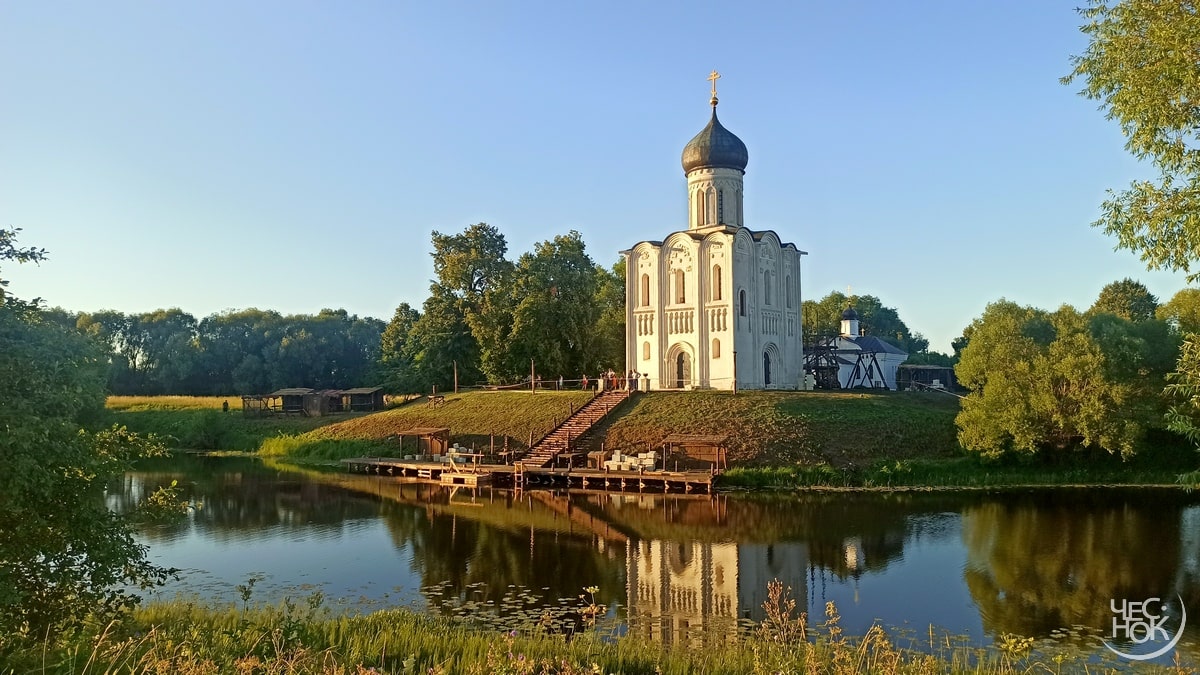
976 564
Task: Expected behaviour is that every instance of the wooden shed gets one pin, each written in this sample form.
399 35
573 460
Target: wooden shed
711 448
291 400
363 398
430 440
332 400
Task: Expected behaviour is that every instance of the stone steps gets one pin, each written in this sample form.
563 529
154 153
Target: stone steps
567 434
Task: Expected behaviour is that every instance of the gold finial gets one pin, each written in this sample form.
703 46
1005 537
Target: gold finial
713 78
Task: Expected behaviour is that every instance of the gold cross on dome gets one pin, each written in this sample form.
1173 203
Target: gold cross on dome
713 78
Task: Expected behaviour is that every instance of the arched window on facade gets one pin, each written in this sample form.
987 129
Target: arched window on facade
711 199
716 283
680 296
766 287
787 290
742 303
644 287
645 351
716 348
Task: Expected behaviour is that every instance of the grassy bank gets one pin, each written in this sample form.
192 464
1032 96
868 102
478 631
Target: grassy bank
768 428
198 423
776 439
475 419
183 637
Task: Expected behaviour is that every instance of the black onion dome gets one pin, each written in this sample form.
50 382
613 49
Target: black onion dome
849 314
716 148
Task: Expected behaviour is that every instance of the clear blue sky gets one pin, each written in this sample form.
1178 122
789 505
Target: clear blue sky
297 155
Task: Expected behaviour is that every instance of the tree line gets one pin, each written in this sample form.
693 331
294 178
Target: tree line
250 351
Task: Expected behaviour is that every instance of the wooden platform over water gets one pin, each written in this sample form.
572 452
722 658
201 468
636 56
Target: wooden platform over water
518 476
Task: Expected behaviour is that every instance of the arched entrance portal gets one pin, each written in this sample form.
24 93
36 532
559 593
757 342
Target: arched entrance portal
766 369
682 374
678 366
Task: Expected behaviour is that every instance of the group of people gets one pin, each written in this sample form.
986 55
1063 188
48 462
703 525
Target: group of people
612 380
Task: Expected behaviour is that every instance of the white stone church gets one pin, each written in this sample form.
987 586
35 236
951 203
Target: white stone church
717 303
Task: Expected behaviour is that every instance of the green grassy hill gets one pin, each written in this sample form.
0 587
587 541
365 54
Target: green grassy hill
765 428
769 428
473 418
841 429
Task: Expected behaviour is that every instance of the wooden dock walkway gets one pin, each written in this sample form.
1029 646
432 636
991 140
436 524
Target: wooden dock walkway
525 476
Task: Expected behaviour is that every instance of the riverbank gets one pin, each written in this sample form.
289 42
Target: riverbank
776 439
303 637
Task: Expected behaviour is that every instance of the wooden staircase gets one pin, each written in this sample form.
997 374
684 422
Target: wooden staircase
566 435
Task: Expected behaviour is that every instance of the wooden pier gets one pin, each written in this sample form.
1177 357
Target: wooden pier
645 480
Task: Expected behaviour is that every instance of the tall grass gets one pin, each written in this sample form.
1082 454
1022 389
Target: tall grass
959 472
303 637
312 447
172 402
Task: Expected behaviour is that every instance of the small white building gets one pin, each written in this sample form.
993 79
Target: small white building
718 302
865 360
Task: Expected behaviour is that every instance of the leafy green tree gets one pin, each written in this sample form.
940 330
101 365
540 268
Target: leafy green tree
928 358
470 264
112 330
1182 311
10 251
1128 299
63 555
1141 64
61 317
1060 381
170 354
473 269
1183 415
234 346
609 346
555 317
440 341
394 358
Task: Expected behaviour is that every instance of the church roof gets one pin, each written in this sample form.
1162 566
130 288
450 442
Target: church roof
870 343
700 235
715 147
849 314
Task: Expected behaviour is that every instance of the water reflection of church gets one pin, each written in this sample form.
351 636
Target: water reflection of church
677 589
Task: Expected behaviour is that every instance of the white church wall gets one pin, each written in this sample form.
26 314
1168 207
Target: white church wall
746 310
716 333
726 210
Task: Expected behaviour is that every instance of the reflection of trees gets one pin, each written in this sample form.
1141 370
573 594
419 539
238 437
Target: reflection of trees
235 497
1054 560
479 561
